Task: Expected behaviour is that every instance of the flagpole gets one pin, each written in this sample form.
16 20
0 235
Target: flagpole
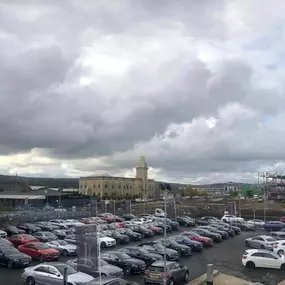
99 253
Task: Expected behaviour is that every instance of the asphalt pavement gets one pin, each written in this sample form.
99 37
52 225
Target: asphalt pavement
226 257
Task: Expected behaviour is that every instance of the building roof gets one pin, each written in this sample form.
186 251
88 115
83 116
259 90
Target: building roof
22 196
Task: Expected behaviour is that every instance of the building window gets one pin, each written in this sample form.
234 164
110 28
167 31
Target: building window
113 187
130 187
98 186
127 187
106 186
94 186
80 186
119 186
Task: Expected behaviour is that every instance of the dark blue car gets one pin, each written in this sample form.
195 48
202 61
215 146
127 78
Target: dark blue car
194 245
274 226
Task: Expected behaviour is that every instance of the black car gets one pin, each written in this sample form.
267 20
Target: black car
120 238
205 233
174 225
12 230
224 234
45 236
29 228
45 226
129 217
124 261
131 234
141 253
235 228
185 221
243 225
142 230
11 257
158 248
230 231
61 234
183 250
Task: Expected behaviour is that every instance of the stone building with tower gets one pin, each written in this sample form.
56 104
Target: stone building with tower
106 186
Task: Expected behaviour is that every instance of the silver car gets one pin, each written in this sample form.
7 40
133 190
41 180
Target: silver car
63 247
52 273
88 267
263 242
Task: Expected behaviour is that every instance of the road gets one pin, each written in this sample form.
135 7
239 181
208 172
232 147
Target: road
226 257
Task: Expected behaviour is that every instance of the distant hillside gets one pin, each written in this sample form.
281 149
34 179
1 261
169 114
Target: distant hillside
39 181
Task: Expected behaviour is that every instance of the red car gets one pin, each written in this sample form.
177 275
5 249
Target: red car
196 237
108 217
282 219
156 230
20 239
86 221
40 251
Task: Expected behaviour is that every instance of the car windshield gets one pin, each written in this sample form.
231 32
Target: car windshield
129 231
123 256
49 234
270 239
158 269
62 242
103 262
159 246
28 237
11 251
143 251
60 268
42 246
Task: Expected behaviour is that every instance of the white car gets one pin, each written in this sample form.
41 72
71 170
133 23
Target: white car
59 223
256 222
262 258
3 234
138 221
231 218
159 213
279 247
63 247
73 223
52 273
106 241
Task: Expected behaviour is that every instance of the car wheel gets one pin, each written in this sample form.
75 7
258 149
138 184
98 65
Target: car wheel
246 243
127 270
30 281
41 258
224 220
103 244
250 265
262 246
186 276
64 252
283 266
10 264
280 252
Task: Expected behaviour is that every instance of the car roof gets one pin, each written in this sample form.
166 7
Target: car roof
251 251
161 263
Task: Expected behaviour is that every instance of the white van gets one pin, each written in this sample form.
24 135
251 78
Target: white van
159 213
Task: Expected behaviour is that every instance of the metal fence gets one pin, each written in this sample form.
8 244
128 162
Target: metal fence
16 218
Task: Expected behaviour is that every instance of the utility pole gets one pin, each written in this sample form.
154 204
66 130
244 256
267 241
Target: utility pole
164 256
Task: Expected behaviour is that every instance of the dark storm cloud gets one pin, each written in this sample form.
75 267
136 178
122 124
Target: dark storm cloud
121 113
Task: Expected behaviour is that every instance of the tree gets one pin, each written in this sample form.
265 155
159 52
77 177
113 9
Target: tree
188 191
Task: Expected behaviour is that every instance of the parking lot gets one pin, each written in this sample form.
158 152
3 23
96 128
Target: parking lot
226 257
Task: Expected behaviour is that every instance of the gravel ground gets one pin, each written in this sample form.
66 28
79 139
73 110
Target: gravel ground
226 257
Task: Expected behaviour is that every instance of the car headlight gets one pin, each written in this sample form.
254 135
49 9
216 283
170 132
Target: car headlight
183 249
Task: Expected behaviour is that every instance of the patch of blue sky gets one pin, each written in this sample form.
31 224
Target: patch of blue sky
263 43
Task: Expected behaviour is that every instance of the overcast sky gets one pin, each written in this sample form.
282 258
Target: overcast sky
86 87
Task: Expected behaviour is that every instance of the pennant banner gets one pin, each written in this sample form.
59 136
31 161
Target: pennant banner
87 247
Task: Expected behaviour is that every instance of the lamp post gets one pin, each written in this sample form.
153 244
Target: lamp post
164 256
